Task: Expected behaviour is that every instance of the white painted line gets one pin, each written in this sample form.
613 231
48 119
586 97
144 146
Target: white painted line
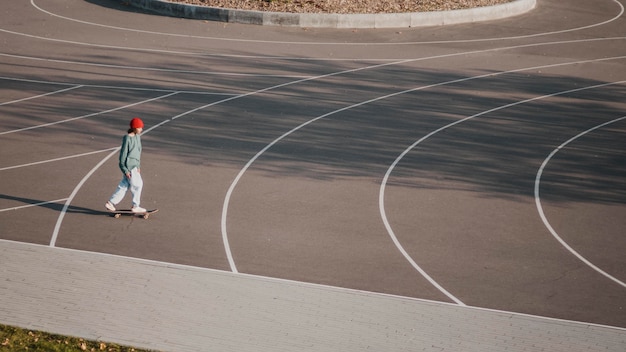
411 147
614 18
389 61
108 87
543 216
255 157
33 205
251 161
55 159
396 242
233 185
40 95
37 81
88 115
153 69
57 226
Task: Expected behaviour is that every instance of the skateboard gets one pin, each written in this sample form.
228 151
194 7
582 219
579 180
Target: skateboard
119 212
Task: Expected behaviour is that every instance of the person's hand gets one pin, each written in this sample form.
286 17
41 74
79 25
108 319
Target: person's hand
128 175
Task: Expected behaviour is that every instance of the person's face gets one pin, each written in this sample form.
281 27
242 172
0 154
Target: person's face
138 130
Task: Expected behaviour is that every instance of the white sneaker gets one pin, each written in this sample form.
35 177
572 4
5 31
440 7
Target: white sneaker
109 206
138 210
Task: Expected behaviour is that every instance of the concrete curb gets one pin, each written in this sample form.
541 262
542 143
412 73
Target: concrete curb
319 20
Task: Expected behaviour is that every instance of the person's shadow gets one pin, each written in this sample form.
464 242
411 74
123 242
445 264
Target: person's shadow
52 205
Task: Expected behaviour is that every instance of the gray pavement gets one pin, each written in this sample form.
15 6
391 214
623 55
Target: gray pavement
171 307
320 20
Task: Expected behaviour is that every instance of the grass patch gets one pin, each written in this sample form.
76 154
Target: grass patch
16 339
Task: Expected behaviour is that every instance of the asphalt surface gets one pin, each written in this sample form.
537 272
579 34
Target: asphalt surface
481 166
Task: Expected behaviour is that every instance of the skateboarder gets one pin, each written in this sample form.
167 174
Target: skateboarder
129 163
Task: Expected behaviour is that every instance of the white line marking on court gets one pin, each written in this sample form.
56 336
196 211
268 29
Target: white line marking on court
338 43
229 193
224 233
88 115
55 159
545 219
40 95
33 205
290 43
387 62
411 147
38 82
225 238
99 86
144 68
255 157
57 226
68 201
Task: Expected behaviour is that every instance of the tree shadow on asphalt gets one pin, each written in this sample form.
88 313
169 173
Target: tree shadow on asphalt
498 153
357 135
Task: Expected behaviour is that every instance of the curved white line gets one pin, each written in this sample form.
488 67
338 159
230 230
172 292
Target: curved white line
57 226
225 238
227 200
387 61
396 61
255 157
543 216
240 175
334 43
285 58
381 197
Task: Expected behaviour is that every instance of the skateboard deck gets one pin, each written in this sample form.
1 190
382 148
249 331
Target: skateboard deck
119 212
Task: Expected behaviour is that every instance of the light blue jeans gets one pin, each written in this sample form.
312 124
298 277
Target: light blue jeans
135 184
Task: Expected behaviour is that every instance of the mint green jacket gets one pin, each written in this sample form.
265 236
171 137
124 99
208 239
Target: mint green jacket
130 154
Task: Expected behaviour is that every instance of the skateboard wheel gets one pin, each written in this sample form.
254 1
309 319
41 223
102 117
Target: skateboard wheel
146 216
117 216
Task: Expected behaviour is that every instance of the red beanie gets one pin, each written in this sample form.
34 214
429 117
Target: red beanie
136 123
